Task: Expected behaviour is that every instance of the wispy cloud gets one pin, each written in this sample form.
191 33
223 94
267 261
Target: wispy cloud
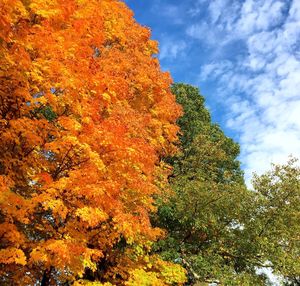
261 87
260 15
171 49
173 12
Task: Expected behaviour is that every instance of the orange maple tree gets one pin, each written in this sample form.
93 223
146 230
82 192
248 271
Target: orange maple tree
85 117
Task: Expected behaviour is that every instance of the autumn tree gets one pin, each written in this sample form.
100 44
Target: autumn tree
85 117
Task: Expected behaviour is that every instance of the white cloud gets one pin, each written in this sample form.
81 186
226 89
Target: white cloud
215 70
171 49
230 20
196 9
221 14
216 9
295 10
260 15
261 88
203 32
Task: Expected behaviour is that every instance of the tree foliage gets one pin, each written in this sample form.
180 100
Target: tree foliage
203 217
85 117
220 231
274 220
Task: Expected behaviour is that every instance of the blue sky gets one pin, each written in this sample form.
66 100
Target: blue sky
244 55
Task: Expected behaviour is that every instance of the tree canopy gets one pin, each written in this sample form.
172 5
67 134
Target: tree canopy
274 220
85 117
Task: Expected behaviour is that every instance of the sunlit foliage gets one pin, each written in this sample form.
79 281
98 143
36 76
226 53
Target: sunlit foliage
85 117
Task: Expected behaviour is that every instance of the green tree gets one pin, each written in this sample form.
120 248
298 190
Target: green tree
274 223
205 218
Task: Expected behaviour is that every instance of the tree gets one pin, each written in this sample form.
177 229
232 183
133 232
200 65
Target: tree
220 231
274 221
85 117
206 216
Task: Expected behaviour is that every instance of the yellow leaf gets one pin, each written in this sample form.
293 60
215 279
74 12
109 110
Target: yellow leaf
12 255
